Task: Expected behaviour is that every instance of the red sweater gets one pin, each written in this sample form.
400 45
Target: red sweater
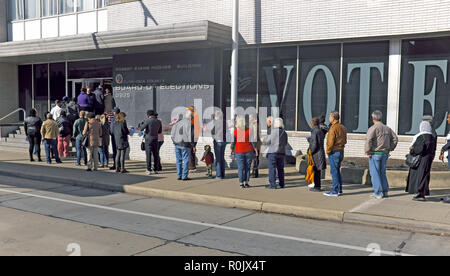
242 139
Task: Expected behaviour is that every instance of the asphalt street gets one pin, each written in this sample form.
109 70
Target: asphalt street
40 218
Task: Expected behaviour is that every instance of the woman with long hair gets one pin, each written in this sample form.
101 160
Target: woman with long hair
32 128
120 131
244 151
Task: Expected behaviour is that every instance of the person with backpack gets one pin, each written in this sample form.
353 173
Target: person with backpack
78 128
32 128
65 131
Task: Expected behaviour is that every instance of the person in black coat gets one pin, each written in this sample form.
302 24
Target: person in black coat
121 131
152 127
424 144
318 152
32 128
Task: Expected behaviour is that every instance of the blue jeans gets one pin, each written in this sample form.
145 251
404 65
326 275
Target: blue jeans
276 163
244 162
183 154
377 166
104 155
51 146
335 159
219 150
81 152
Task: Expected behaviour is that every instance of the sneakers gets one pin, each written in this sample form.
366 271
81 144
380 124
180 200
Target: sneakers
376 196
147 172
331 194
311 185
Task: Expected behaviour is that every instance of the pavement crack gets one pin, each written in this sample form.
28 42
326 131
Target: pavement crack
403 244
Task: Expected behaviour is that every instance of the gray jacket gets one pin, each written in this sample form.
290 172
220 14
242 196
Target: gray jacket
183 134
276 141
152 128
380 138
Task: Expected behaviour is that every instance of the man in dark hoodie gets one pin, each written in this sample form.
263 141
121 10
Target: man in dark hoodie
99 101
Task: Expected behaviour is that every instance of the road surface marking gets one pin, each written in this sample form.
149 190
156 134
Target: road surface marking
209 225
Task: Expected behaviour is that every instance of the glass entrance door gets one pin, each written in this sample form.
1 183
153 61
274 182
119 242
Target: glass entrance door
75 86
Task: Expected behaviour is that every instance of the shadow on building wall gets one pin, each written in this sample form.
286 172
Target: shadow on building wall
147 14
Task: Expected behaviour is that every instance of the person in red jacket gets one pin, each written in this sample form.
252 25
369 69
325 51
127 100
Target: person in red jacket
244 150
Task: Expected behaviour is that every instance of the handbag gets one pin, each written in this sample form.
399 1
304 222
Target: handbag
310 170
143 145
413 161
85 141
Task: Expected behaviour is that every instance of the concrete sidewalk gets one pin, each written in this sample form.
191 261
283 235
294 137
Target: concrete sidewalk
355 206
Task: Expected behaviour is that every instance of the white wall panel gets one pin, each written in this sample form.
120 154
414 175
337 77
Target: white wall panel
87 22
33 29
49 27
18 31
103 20
68 25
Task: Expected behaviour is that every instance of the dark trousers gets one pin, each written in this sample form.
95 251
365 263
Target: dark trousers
158 164
255 167
192 160
276 165
114 149
35 141
151 149
317 178
99 110
219 150
120 159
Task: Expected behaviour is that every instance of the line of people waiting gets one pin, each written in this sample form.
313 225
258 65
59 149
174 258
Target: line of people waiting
324 140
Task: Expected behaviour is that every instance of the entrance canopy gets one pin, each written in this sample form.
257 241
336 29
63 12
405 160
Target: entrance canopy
199 34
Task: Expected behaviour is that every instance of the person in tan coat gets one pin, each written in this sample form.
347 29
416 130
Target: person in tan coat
336 141
50 132
94 129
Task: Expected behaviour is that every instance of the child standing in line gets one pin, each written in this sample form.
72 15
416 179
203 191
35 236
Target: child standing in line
208 158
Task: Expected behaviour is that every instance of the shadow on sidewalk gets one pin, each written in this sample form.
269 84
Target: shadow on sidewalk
111 182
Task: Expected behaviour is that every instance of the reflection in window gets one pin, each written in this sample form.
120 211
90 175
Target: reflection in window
101 4
57 81
66 6
278 82
365 84
32 9
319 82
49 7
90 69
85 5
247 78
425 84
15 10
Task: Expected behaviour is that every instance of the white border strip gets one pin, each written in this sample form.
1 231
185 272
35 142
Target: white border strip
323 243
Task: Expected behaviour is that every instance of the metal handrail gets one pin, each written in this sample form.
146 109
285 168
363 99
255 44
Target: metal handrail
17 110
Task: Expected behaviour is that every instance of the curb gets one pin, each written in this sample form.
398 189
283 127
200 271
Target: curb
297 211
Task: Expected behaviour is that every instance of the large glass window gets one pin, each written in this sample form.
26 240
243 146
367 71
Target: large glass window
425 84
90 69
247 78
15 10
66 6
85 5
41 88
278 82
32 9
101 4
57 81
49 7
25 88
365 84
319 82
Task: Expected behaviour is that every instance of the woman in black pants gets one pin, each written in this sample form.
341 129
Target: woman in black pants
120 130
32 128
